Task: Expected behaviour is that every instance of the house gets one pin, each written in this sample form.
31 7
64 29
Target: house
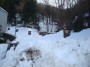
3 26
3 20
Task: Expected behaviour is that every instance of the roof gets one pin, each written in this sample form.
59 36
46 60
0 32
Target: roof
3 10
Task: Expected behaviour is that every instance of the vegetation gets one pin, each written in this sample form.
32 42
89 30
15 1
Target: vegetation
9 6
64 11
30 11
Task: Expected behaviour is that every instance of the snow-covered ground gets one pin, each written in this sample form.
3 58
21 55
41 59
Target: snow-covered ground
51 27
52 50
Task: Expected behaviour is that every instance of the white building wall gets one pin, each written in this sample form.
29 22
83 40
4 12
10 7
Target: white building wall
3 20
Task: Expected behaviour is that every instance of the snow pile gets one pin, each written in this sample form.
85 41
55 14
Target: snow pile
3 48
48 51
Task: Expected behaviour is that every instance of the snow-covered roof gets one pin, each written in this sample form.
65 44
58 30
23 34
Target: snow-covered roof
3 10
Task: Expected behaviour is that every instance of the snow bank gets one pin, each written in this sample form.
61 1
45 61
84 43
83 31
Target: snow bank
3 48
56 51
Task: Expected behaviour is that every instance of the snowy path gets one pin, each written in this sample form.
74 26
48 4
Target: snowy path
56 51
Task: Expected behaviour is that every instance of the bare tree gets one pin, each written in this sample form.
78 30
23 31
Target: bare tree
60 4
46 13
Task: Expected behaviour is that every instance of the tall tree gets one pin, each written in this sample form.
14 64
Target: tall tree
30 11
47 13
9 6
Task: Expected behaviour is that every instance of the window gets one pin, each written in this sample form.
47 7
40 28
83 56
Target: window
0 27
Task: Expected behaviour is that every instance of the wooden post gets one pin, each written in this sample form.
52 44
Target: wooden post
17 30
66 32
29 32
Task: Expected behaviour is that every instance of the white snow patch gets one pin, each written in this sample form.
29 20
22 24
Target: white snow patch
57 51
